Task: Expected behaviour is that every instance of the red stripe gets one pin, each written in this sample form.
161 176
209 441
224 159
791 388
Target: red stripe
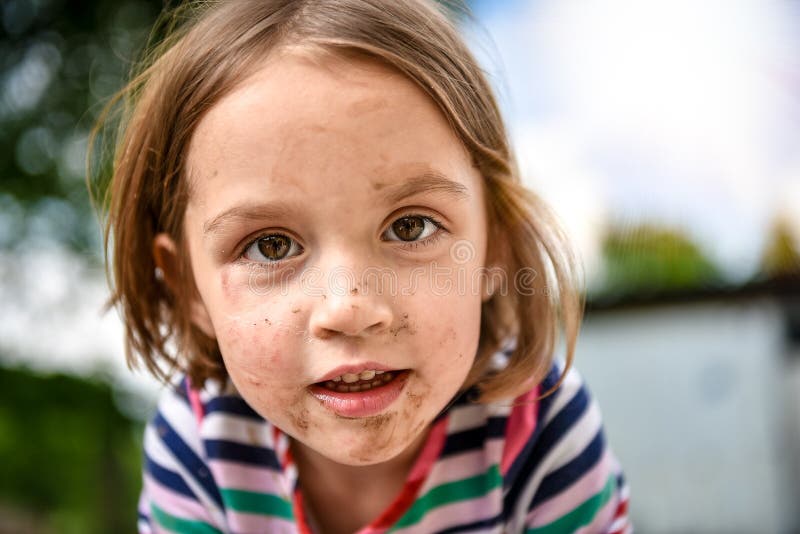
519 427
299 514
621 511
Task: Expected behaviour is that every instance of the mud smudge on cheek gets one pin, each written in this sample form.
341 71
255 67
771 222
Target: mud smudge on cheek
300 420
406 325
415 399
298 413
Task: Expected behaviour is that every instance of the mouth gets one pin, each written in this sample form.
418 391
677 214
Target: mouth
362 394
363 381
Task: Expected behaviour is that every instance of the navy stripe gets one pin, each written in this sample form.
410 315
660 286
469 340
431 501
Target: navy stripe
232 405
143 517
568 474
474 438
481 526
543 409
549 438
221 449
187 457
168 478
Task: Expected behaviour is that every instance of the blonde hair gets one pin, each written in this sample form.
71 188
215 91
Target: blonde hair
212 46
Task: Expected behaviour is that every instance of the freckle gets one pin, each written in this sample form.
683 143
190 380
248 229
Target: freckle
296 310
324 297
377 186
267 321
354 306
354 291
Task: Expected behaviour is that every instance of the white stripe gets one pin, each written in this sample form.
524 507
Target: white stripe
466 418
230 427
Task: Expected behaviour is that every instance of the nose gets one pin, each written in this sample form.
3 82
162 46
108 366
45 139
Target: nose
351 312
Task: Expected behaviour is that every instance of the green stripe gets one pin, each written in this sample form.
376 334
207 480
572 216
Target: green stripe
449 492
182 526
257 503
580 516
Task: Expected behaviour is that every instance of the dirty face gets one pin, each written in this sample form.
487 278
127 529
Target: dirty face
336 228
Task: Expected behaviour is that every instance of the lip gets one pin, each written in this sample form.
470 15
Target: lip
361 403
354 369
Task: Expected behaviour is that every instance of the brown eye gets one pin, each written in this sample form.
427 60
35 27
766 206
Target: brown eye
274 247
408 228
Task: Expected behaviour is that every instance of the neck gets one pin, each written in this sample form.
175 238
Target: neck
344 498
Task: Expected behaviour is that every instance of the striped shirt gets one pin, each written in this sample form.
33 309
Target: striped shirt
212 464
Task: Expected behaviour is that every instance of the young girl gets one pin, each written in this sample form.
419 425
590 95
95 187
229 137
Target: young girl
321 242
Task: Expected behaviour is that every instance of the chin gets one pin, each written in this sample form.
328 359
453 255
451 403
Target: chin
373 440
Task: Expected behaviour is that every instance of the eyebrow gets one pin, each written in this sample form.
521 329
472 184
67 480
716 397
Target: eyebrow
245 212
428 182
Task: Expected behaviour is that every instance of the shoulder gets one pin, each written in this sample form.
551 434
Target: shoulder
177 483
561 468
191 435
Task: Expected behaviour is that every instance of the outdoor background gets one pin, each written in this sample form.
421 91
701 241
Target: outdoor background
665 135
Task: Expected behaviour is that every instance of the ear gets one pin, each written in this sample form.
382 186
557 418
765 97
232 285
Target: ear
167 259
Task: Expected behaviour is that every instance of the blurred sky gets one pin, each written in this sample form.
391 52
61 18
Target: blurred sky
681 112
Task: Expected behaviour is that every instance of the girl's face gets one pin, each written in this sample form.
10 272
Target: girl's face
336 230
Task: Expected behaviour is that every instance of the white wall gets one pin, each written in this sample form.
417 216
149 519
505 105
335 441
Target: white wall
696 402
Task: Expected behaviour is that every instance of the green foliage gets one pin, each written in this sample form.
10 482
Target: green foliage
70 458
59 62
648 259
781 256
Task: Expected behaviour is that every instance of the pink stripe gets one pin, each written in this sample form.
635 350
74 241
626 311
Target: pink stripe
520 426
244 477
588 485
468 511
244 522
463 465
174 503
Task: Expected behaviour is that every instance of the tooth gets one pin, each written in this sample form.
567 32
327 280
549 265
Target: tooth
353 389
386 377
349 378
379 372
376 383
337 379
367 375
342 388
330 384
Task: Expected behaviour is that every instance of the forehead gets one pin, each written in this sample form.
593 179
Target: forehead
322 125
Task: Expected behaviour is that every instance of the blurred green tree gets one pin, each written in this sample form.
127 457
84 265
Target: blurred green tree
781 256
71 459
59 62
649 259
